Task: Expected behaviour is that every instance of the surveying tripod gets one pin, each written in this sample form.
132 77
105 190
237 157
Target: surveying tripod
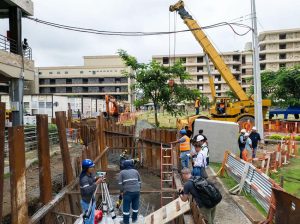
107 205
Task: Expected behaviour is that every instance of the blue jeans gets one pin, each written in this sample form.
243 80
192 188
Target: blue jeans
197 110
196 171
132 198
85 207
184 159
254 152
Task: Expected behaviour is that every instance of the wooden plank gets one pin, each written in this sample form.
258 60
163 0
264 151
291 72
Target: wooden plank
44 160
2 146
158 215
19 206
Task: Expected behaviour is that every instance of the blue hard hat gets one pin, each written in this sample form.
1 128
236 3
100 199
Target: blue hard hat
87 163
182 131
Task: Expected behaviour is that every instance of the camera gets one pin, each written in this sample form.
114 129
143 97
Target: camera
100 174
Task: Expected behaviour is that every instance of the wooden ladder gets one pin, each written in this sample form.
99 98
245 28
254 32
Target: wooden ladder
166 174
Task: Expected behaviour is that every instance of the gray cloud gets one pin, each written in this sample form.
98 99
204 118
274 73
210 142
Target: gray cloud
53 47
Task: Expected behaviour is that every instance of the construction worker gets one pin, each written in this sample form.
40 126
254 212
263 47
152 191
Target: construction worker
255 138
197 105
199 158
242 142
247 152
130 187
189 188
189 133
184 147
88 184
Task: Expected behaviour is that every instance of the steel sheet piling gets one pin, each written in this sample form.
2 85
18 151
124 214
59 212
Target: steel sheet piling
19 206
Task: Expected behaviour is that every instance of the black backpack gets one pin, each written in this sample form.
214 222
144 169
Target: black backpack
209 195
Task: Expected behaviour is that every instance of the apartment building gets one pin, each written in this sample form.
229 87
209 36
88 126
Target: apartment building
99 76
240 64
279 48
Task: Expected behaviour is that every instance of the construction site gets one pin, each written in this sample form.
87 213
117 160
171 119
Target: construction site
115 117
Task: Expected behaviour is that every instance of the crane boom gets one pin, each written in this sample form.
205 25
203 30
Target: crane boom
210 50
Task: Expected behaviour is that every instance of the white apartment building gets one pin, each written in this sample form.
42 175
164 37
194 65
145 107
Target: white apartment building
99 76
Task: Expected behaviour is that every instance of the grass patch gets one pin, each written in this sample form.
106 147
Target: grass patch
6 175
290 174
229 183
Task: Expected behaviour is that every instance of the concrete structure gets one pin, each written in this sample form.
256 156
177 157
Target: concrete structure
279 48
222 136
240 64
100 75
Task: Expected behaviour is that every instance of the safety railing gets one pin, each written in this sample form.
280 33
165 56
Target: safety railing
10 45
251 179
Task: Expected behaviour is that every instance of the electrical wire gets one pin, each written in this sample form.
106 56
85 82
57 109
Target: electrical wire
135 33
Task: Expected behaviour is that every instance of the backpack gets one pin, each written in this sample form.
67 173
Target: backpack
209 195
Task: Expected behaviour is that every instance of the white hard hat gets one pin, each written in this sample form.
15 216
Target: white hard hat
246 134
199 138
243 131
254 128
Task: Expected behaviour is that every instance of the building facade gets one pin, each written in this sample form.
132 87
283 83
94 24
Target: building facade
279 48
99 76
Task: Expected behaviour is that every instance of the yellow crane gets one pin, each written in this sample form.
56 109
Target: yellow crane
224 108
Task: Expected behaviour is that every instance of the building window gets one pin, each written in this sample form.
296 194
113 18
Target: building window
101 89
101 80
58 73
282 65
85 89
52 89
236 67
199 59
94 72
217 78
282 56
200 78
236 57
81 72
66 72
282 36
243 60
199 68
68 81
200 87
262 57
262 67
117 80
218 86
243 71
237 77
262 47
68 89
117 89
40 73
218 94
50 73
282 46
85 81
166 60
42 81
52 81
183 60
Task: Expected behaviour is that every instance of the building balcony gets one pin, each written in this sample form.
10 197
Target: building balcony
278 41
279 60
83 85
278 51
91 93
11 65
25 5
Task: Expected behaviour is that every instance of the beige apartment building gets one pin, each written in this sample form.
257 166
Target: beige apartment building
99 76
279 48
240 64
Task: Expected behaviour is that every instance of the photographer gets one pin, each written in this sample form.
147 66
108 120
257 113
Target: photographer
130 187
88 184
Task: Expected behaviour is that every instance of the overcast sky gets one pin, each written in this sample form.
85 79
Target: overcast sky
55 47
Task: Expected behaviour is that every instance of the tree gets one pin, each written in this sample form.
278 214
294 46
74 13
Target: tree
153 81
282 87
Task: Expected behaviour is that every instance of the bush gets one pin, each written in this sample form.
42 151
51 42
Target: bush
52 127
276 137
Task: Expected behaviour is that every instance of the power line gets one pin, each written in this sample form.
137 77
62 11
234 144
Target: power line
135 33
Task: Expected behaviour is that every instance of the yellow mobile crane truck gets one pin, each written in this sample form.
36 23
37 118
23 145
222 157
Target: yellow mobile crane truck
234 111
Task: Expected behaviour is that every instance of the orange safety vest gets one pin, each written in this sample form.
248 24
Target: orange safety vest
197 103
185 146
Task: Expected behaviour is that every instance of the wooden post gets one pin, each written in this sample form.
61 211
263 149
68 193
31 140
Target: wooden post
2 146
69 116
102 142
19 207
64 148
44 160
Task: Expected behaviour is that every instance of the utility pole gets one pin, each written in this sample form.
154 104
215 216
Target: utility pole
256 73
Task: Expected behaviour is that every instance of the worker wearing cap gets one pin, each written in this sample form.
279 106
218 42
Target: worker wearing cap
184 147
130 187
247 152
255 138
197 105
199 157
242 142
88 184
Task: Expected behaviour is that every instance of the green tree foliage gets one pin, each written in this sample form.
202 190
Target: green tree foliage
282 87
152 80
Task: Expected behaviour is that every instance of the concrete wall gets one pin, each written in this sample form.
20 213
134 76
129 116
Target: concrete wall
221 135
